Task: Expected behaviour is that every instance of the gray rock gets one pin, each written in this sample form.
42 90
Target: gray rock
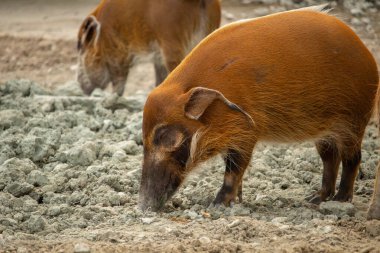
29 205
77 198
356 21
8 222
136 103
119 156
82 248
19 87
17 168
115 102
40 144
191 214
204 240
98 93
11 118
131 147
239 210
54 211
340 209
148 220
51 137
36 89
108 150
356 12
233 224
36 224
82 155
19 189
22 250
71 88
37 178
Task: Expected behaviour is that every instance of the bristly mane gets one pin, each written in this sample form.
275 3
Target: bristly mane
324 8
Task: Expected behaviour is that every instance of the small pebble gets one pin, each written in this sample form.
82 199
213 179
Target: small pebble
204 240
82 248
234 223
147 220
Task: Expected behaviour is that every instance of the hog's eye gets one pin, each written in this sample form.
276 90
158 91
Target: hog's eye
169 137
182 154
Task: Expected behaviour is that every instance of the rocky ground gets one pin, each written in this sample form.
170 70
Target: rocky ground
70 168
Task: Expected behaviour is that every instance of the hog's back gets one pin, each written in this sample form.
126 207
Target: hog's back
299 74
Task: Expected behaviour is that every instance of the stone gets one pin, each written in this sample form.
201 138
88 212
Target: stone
98 93
279 220
17 87
70 88
148 220
83 154
8 222
131 147
37 178
115 102
82 248
234 223
54 211
204 240
19 189
191 214
239 210
340 209
36 224
11 118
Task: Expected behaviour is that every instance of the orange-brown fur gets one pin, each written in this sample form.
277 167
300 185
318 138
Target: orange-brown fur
301 75
126 28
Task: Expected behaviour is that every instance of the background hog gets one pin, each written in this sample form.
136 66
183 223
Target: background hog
118 30
288 77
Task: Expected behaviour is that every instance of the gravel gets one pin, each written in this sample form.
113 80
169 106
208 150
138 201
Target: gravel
75 169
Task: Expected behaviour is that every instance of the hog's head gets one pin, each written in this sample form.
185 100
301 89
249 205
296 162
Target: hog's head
175 138
92 69
103 56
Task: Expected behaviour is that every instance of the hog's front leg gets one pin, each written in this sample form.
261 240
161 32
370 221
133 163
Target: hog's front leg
236 164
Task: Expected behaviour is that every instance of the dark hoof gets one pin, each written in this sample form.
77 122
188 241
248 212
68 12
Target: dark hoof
223 200
314 199
342 197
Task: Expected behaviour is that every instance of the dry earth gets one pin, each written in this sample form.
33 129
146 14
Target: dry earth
70 166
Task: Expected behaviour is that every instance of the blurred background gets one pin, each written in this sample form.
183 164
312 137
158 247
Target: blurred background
38 37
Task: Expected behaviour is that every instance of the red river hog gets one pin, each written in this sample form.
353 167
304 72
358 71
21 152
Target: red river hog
295 76
118 30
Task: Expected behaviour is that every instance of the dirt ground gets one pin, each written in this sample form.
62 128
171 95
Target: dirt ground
85 201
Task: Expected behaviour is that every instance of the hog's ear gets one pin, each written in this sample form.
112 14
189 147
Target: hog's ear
201 98
89 32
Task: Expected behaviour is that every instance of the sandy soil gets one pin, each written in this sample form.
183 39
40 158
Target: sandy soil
70 167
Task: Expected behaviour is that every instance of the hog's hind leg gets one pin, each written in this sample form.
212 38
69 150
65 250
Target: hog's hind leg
351 163
329 152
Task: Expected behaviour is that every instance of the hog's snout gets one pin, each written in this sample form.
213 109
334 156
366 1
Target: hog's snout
147 203
158 184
